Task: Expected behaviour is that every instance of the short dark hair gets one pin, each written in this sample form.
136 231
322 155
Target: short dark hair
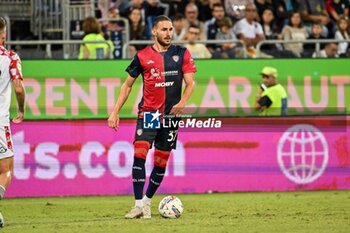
160 18
316 23
218 5
178 17
194 26
225 22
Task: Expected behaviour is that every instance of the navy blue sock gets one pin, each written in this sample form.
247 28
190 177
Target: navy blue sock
155 180
138 177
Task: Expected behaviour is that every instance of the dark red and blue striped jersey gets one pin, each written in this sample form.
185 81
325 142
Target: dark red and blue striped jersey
162 75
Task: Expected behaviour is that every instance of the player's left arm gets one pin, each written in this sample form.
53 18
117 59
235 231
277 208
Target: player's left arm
20 96
17 80
188 69
189 86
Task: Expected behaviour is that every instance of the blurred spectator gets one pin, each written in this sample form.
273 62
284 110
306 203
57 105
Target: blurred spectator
235 9
173 7
113 31
113 25
330 51
196 50
212 25
179 27
226 50
103 5
261 5
309 48
191 15
126 7
295 30
182 5
283 10
342 34
268 24
249 30
315 11
153 8
93 32
338 8
137 30
271 33
205 8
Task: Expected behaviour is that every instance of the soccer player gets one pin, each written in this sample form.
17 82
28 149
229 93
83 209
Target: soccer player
164 67
10 74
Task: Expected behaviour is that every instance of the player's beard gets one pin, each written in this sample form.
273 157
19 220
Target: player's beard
163 42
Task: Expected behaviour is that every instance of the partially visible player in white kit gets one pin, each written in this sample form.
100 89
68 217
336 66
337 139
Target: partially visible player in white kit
10 75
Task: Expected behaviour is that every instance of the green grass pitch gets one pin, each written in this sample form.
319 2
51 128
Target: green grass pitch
280 212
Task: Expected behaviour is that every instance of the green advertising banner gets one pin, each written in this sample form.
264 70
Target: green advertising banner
88 89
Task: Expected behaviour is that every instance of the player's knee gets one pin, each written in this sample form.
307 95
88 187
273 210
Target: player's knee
6 172
141 149
161 158
9 176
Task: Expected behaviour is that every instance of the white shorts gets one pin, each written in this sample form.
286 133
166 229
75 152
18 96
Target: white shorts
6 148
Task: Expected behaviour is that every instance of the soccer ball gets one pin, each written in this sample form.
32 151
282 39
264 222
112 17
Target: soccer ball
170 207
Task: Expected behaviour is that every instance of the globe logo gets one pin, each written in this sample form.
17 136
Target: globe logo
302 153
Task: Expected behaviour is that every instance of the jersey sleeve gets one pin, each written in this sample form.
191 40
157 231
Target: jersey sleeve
135 68
188 65
15 67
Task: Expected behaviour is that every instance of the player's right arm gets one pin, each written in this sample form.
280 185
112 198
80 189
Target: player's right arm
113 120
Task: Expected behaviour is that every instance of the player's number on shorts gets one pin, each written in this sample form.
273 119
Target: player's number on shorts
172 135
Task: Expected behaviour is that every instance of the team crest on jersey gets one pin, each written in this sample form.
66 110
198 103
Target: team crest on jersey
155 72
176 58
139 132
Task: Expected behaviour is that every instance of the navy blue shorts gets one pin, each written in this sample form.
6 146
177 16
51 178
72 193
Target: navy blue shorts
164 138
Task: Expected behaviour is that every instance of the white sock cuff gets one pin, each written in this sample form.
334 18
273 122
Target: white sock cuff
146 199
139 203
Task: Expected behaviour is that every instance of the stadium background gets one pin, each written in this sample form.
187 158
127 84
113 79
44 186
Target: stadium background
261 167
66 142
250 176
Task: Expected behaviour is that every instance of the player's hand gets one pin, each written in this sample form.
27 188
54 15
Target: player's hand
113 121
19 118
177 109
